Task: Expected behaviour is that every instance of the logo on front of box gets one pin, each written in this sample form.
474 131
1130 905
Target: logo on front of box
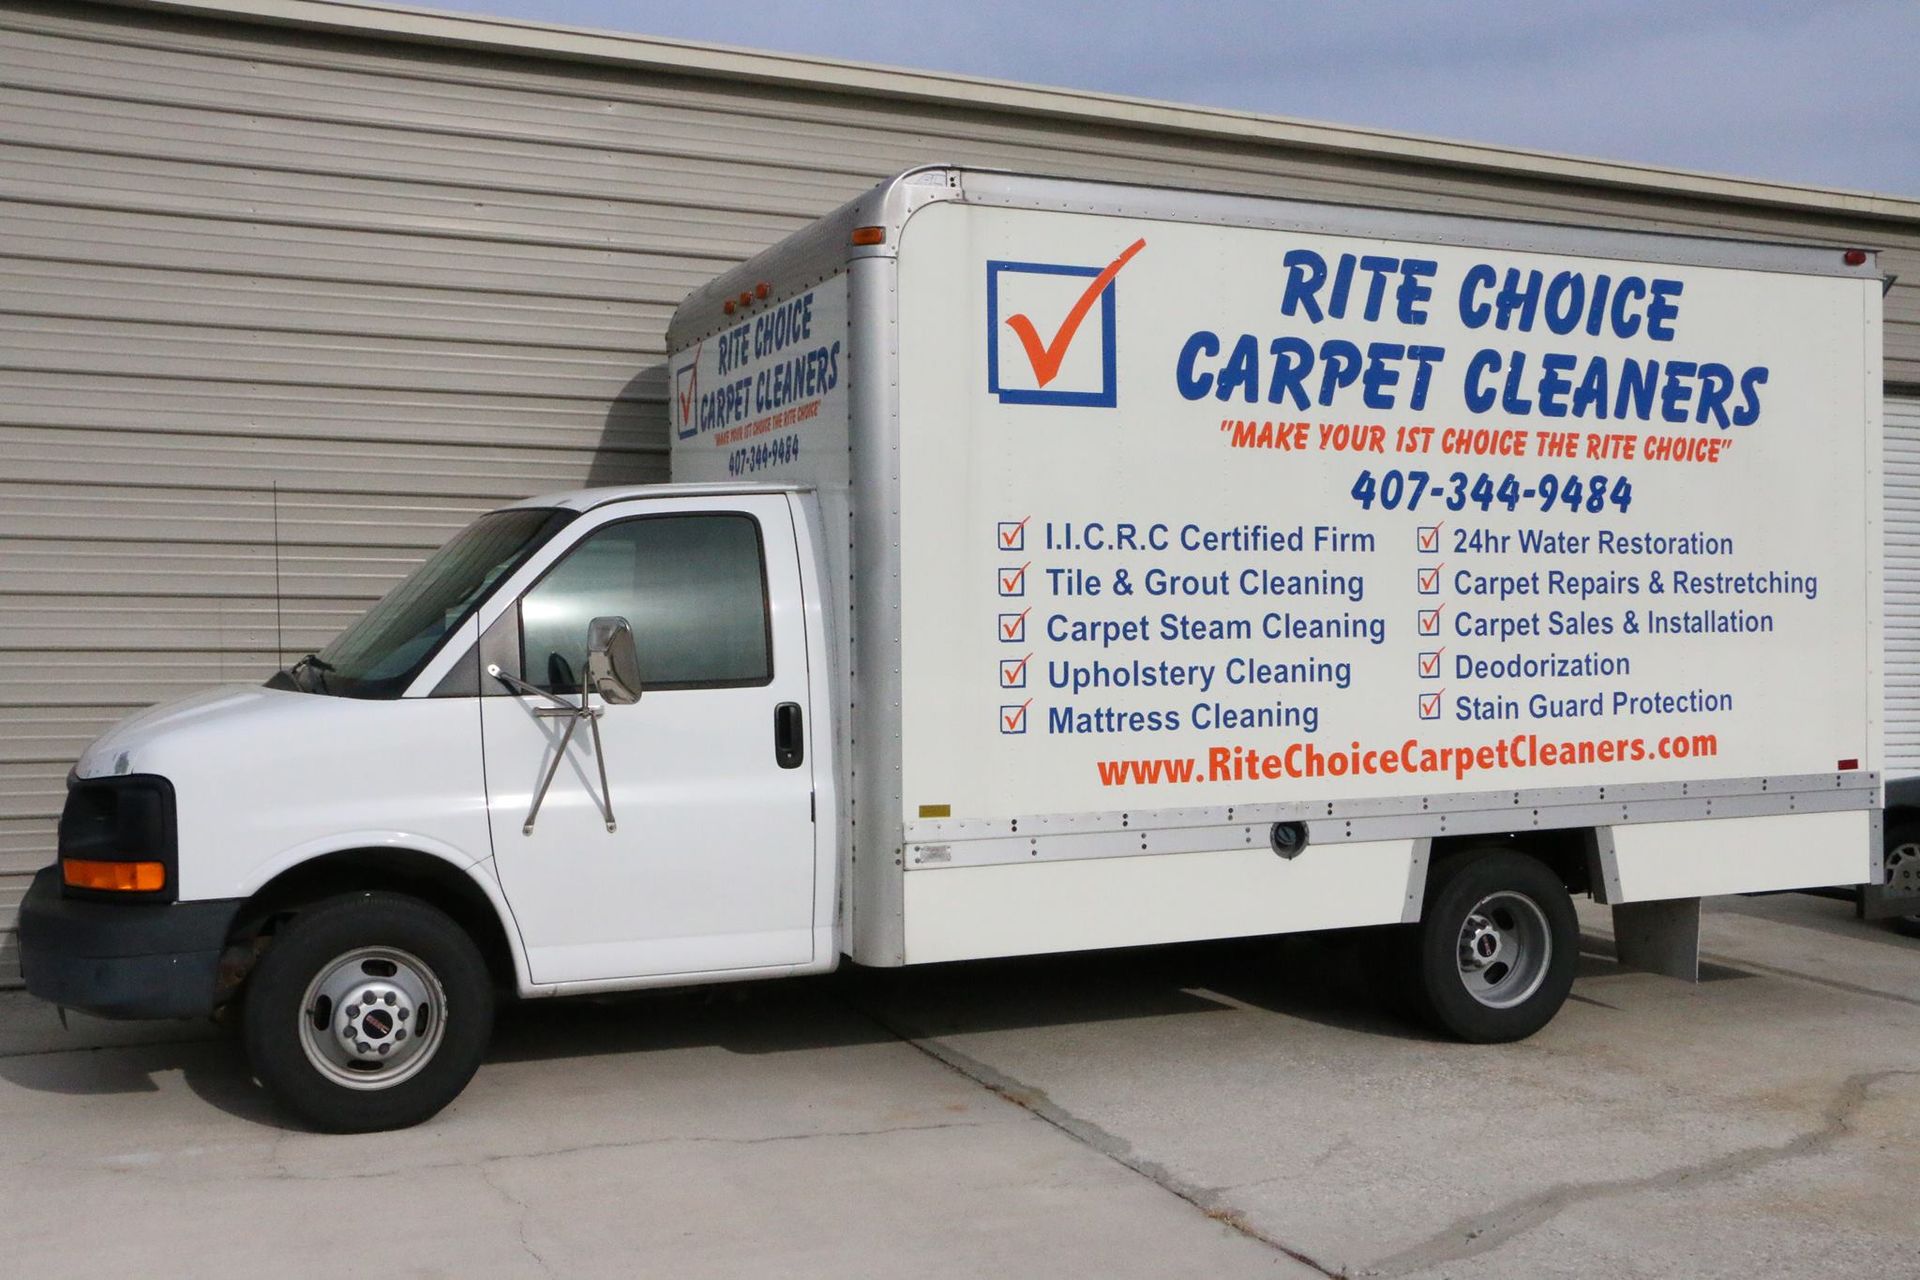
1051 329
686 395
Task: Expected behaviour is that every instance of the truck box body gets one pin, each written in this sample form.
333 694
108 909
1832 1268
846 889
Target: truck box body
1174 525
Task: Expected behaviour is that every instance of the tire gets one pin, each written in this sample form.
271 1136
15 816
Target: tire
1496 947
1903 865
412 1047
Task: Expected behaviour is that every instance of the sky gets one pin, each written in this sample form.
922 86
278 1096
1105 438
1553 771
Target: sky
1820 92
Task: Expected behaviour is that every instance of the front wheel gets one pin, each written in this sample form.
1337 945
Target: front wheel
369 1011
1497 946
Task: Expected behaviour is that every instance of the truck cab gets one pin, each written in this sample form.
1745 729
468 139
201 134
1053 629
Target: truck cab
443 801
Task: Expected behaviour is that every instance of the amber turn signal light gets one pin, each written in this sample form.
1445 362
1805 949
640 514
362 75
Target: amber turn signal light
869 235
123 877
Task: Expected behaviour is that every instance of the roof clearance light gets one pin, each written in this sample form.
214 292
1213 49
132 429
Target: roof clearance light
761 290
128 877
1855 257
746 298
869 235
727 306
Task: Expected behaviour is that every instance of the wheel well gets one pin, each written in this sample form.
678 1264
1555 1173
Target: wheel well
1568 853
418 875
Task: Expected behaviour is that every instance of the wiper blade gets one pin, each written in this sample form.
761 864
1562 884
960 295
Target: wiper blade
319 665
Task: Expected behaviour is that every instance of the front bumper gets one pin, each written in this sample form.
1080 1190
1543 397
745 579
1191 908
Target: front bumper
122 959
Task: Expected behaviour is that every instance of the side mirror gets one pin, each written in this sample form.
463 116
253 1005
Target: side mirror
613 664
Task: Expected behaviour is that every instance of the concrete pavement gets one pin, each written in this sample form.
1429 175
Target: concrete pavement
1222 1110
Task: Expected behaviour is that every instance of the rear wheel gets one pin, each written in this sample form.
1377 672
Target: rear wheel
1496 947
369 1011
1903 867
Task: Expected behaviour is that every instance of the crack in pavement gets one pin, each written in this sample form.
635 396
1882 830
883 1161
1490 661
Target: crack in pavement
501 1157
1484 1232
1208 1200
520 1222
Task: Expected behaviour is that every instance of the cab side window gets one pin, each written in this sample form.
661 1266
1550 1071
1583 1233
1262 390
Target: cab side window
693 587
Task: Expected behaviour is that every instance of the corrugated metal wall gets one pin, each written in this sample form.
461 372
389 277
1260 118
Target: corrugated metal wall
402 283
1902 630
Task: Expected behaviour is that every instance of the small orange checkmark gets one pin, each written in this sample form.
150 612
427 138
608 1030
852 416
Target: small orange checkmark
693 386
1430 578
1046 357
1430 703
1430 662
1012 630
1430 537
1010 582
1430 621
1011 535
1012 673
1012 719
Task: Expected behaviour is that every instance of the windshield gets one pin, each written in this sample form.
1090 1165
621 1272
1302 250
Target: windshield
379 656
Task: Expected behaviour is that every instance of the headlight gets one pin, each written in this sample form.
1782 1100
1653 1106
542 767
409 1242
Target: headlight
117 838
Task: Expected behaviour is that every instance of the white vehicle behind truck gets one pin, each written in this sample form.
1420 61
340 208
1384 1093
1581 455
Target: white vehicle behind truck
1053 566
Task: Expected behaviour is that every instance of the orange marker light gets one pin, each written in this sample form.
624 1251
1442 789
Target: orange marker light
125 877
762 290
869 235
727 306
746 298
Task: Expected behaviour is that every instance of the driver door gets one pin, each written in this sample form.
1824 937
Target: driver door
711 863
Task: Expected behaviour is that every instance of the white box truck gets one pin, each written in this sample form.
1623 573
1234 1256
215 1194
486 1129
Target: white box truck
1053 565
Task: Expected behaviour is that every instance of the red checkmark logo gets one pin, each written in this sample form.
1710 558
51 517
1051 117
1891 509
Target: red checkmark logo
1045 357
1010 580
1430 621
1013 674
1010 533
1430 703
693 388
1429 537
1014 629
1430 662
1011 719
1430 578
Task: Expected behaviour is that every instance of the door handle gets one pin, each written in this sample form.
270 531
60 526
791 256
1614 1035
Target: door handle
789 743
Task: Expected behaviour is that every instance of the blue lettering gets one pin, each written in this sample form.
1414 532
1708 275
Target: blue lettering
1241 372
1750 382
1194 385
1292 361
1554 383
1479 398
1306 272
1661 310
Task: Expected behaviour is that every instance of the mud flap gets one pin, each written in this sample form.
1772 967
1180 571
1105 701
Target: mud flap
1661 937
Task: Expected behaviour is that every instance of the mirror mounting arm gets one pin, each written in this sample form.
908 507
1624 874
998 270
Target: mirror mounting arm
573 715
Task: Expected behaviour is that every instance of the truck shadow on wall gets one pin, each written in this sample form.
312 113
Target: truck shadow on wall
634 435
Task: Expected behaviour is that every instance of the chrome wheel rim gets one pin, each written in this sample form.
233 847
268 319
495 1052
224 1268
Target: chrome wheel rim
1903 867
373 1018
1504 949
